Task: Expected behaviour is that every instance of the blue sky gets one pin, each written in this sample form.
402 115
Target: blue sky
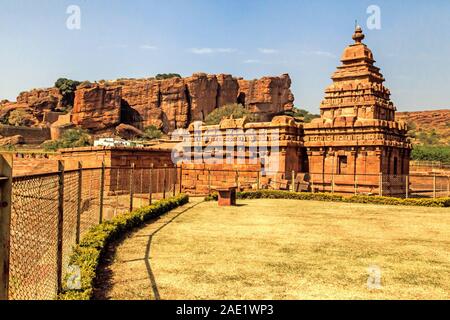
246 38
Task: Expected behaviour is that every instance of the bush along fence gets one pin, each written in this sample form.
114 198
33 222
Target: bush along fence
44 215
276 194
88 254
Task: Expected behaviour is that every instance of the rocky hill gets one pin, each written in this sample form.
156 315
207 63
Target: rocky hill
165 103
428 127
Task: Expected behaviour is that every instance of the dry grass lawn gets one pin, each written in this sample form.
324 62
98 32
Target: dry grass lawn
286 249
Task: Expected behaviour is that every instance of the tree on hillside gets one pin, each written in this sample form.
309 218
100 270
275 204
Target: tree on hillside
236 110
162 76
72 138
67 89
301 113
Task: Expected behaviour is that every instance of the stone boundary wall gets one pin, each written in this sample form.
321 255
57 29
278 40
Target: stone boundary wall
24 164
34 136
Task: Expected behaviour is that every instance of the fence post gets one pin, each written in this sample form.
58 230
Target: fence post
59 249
332 181
381 184
102 190
181 179
79 195
209 181
174 192
407 186
293 181
150 190
312 183
131 186
6 164
164 181
258 183
356 184
434 185
448 186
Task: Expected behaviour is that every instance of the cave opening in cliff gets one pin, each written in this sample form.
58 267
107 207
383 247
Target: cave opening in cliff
241 98
130 116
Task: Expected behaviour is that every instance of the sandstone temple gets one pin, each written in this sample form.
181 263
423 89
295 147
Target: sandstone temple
356 139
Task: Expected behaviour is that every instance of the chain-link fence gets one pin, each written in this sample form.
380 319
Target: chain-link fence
201 181
50 213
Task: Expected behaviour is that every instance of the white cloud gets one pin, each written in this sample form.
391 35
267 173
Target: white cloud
250 61
319 53
267 50
212 50
148 47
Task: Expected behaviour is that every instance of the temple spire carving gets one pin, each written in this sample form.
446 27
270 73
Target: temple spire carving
357 91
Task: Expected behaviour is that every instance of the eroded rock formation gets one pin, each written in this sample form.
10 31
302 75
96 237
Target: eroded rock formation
266 96
33 105
174 103
97 107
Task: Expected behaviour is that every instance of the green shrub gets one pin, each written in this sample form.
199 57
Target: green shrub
276 194
72 138
152 132
88 254
236 110
431 153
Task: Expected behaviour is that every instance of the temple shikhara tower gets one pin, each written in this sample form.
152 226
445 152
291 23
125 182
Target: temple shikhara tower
357 133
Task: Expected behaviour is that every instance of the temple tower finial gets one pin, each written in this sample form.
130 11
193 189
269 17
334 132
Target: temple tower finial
358 36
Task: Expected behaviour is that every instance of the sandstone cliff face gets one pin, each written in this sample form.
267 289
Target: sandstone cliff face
228 89
203 91
33 104
266 96
41 99
97 107
174 103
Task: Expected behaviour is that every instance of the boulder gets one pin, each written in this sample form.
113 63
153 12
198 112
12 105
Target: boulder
128 132
12 141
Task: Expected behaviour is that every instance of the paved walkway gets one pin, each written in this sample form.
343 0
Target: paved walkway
127 273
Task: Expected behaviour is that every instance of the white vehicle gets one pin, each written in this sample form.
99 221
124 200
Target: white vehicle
111 142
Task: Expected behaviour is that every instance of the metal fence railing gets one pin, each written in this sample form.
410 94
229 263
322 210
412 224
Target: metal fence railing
51 212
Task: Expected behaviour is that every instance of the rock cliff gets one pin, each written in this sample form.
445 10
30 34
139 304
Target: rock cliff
167 104
174 103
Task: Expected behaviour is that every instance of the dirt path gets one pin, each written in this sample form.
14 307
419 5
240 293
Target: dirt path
127 272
